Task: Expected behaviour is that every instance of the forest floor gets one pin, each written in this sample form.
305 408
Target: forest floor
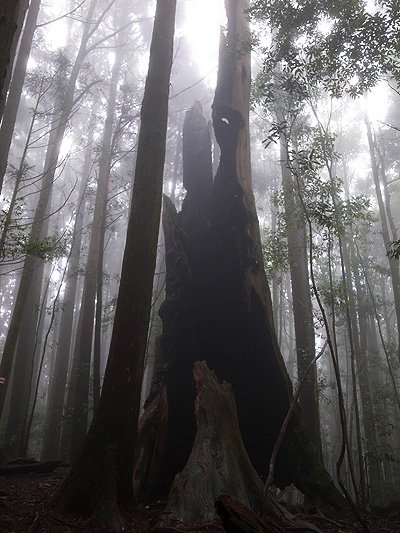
24 497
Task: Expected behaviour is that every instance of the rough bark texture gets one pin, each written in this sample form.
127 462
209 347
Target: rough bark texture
301 294
12 14
57 386
393 263
79 388
237 517
218 462
115 421
218 305
24 366
17 82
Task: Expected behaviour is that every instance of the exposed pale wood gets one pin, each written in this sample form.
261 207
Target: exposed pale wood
218 463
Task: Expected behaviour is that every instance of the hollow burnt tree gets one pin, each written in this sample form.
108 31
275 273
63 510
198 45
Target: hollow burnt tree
218 305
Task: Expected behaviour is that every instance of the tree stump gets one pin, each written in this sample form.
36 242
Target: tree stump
218 463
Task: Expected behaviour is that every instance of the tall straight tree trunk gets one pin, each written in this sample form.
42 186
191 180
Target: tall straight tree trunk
17 82
18 182
27 301
58 379
50 166
24 364
112 435
301 296
79 387
366 378
393 263
12 15
96 371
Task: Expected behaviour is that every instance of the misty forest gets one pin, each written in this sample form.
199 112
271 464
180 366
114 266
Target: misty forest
199 265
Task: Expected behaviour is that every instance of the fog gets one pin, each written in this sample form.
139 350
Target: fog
323 134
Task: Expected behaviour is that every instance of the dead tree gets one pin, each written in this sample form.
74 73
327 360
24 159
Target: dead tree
218 305
218 462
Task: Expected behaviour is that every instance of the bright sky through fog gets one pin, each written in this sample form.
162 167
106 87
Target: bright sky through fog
203 20
56 32
377 102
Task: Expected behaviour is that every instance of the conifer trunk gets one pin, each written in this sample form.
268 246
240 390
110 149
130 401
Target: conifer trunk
49 170
58 380
12 14
17 82
79 388
114 428
301 296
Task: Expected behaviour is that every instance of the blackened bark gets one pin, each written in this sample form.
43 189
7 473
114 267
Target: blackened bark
218 305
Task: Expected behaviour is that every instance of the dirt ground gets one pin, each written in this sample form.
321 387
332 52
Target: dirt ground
24 497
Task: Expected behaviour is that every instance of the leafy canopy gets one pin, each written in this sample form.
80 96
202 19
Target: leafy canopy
344 44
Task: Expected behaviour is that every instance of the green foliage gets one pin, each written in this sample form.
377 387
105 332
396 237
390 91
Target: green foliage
321 191
17 242
48 248
324 385
275 253
21 173
383 454
335 296
342 46
394 249
275 131
47 81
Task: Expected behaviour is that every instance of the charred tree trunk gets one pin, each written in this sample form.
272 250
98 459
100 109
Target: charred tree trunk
115 422
218 305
